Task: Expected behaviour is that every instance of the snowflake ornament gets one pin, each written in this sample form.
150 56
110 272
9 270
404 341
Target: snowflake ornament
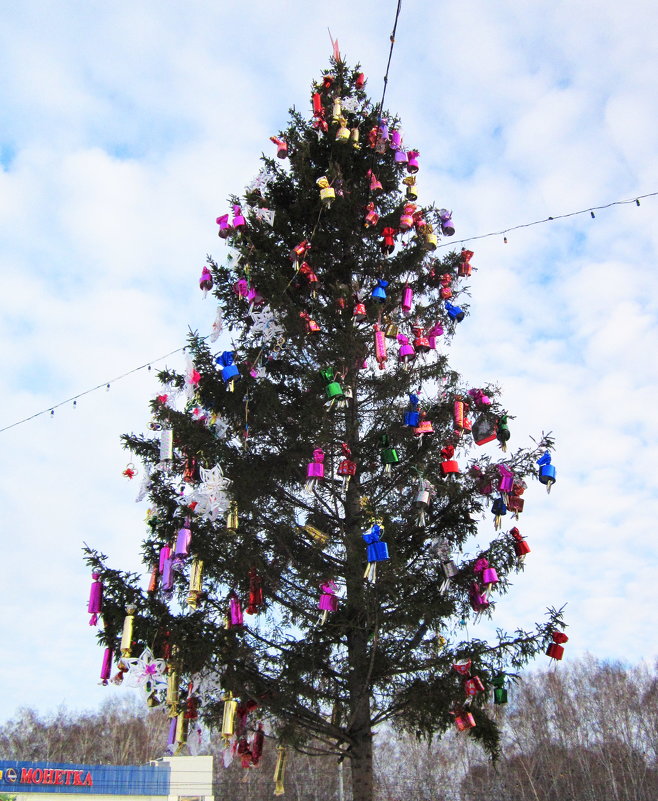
350 104
266 324
210 496
145 671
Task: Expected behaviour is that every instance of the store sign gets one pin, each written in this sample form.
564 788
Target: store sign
52 777
37 775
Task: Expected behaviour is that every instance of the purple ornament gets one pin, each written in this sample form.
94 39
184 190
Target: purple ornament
400 157
235 611
445 217
506 478
95 598
106 667
396 140
183 541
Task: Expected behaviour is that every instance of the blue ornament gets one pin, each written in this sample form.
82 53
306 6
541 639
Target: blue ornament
546 470
454 312
229 370
412 415
379 292
377 550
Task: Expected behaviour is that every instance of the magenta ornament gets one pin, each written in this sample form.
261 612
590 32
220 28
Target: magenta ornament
433 333
238 219
315 469
407 299
396 140
506 478
406 353
328 600
412 161
95 598
106 666
235 611
224 227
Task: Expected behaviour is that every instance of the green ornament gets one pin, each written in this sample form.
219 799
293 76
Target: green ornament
389 454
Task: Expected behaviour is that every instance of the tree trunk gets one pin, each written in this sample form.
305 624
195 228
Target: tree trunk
359 728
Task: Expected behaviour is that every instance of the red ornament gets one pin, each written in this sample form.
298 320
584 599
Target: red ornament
465 267
300 250
372 217
449 465
360 81
464 720
388 243
255 592
130 471
521 547
555 650
311 326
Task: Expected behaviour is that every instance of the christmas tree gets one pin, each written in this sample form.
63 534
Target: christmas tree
315 485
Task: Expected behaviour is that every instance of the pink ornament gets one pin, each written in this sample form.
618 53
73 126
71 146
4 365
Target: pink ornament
412 159
315 469
224 227
205 282
238 219
407 217
407 299
281 147
380 347
375 185
433 333
328 600
406 354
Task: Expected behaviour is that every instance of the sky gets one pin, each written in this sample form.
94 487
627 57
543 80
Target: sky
126 125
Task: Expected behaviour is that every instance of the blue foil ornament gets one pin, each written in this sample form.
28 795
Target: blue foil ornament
229 371
412 415
454 312
546 471
379 292
377 551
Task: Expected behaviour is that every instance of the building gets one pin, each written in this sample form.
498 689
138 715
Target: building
185 778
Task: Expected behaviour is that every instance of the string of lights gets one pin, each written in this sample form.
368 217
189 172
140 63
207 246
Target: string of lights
106 384
590 211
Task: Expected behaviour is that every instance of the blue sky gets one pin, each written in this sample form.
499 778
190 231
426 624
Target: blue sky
125 127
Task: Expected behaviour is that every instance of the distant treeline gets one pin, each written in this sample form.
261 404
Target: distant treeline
585 731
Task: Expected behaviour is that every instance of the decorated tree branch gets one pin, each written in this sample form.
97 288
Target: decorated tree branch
316 484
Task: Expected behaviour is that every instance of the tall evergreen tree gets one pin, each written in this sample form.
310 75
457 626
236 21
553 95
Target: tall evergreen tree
318 471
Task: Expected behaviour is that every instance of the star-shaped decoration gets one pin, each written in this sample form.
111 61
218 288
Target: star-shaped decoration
145 671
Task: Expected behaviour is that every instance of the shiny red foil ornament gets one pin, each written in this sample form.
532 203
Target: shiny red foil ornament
556 650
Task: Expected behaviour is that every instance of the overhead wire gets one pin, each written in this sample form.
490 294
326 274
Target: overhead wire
106 384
